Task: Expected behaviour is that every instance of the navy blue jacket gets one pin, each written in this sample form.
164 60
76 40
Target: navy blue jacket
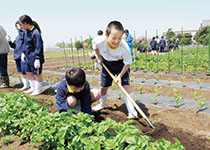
18 44
33 46
153 44
162 43
63 93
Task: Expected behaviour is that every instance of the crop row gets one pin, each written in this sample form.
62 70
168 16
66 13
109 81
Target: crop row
23 116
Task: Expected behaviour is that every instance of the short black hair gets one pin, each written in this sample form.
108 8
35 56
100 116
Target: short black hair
100 32
75 77
153 38
126 31
117 26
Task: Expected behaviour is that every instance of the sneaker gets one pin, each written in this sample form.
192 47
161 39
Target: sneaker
29 91
36 92
98 107
131 117
23 88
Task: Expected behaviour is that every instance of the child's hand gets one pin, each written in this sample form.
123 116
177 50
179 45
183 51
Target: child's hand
118 79
100 60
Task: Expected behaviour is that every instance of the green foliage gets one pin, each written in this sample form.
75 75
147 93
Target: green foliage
60 44
89 42
6 140
170 35
78 44
176 98
22 115
201 103
202 36
185 39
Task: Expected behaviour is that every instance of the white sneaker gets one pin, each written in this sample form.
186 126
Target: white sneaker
23 88
36 92
29 90
98 107
131 116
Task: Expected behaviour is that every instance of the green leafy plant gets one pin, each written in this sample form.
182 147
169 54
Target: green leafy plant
141 88
119 95
201 104
156 79
6 140
183 81
157 93
169 82
23 116
176 97
144 78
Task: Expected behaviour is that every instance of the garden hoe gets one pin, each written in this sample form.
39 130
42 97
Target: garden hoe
128 96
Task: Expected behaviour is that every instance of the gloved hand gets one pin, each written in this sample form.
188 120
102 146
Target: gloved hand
23 57
37 63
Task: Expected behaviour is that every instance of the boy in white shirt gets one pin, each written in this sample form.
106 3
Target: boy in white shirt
115 54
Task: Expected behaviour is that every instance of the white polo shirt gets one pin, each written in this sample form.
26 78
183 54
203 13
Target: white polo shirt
122 52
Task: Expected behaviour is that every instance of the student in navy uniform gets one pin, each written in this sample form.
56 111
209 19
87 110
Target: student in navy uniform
18 49
74 92
153 45
4 50
33 54
115 54
162 45
129 40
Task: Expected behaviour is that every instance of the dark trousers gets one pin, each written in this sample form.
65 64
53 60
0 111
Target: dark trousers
3 65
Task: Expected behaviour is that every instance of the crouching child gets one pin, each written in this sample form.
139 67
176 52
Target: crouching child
74 92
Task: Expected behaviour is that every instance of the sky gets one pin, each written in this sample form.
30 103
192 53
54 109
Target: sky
65 19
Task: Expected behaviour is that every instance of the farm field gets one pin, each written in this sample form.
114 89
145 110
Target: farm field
192 129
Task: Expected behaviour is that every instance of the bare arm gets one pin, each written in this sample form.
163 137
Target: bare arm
98 56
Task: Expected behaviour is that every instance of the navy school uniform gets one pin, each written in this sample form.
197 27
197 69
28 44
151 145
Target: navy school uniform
115 67
33 46
18 49
62 94
3 64
162 45
153 44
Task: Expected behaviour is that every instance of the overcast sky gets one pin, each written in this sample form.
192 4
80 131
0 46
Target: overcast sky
65 19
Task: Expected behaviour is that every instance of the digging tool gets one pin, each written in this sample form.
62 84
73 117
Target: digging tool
128 96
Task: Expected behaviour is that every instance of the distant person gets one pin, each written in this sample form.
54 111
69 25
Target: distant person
18 50
4 50
99 37
33 54
162 45
157 41
115 54
153 45
74 92
176 46
170 46
129 40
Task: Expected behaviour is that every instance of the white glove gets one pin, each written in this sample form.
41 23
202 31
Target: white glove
37 63
23 57
8 38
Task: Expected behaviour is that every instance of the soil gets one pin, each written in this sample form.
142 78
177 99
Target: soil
191 128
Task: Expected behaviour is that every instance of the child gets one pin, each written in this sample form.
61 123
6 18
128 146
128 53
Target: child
33 54
115 54
73 92
153 45
129 40
162 45
18 49
99 37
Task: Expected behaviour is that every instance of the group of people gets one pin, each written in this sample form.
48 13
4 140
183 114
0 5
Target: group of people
74 91
28 55
161 47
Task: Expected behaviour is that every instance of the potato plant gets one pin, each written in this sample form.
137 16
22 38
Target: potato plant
23 116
